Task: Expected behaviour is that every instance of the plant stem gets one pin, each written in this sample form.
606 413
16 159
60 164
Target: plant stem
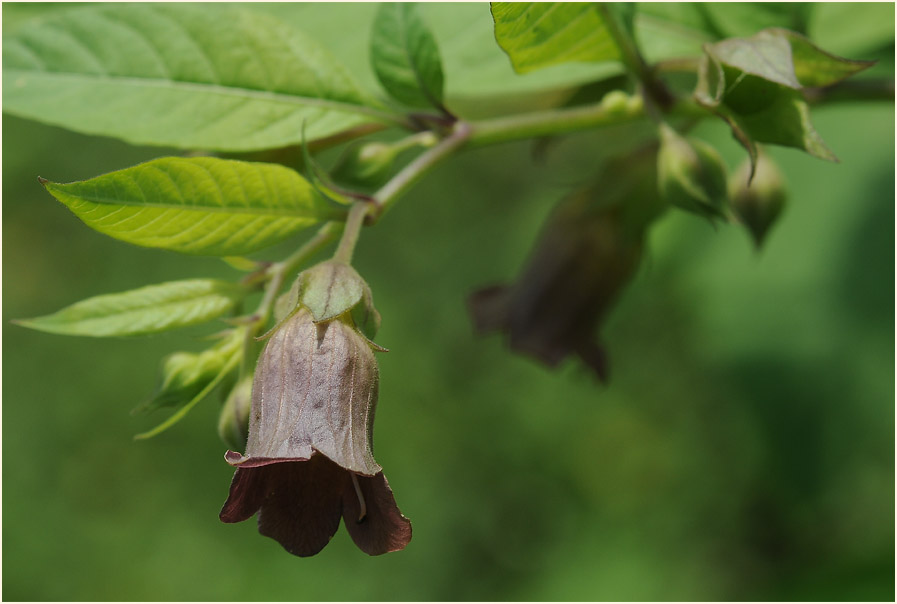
410 174
352 230
655 91
880 89
278 272
550 122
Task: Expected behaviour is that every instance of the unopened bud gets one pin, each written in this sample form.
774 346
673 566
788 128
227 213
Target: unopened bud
368 164
758 203
233 423
691 174
186 374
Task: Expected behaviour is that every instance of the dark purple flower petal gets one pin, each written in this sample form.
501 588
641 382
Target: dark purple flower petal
298 502
247 492
376 525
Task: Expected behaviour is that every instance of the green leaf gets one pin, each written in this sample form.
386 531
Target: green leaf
183 76
150 309
729 19
539 34
850 28
475 67
199 205
405 56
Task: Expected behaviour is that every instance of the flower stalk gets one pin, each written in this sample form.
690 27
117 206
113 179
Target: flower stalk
351 232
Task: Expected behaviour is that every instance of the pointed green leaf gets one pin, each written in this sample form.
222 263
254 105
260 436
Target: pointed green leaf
178 75
198 205
150 309
730 19
405 56
539 34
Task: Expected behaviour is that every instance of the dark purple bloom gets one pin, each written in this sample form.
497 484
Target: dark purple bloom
309 457
588 251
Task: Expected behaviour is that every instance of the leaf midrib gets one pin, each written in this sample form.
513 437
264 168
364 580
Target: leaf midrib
405 17
153 308
301 212
206 88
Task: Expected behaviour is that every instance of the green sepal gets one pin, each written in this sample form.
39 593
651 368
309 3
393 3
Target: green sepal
330 289
755 83
785 57
367 318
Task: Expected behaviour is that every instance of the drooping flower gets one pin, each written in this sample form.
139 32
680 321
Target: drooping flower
587 253
309 459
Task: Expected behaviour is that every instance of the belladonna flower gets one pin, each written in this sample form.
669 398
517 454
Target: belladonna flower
309 457
588 252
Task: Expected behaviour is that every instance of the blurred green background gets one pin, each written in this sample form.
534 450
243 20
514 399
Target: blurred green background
743 449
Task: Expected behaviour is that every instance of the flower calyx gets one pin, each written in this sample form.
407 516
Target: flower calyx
329 290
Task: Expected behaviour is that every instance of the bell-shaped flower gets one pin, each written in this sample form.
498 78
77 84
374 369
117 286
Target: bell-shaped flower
309 459
587 253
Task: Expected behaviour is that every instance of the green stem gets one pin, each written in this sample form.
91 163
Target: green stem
552 122
354 222
413 172
880 89
278 272
655 91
